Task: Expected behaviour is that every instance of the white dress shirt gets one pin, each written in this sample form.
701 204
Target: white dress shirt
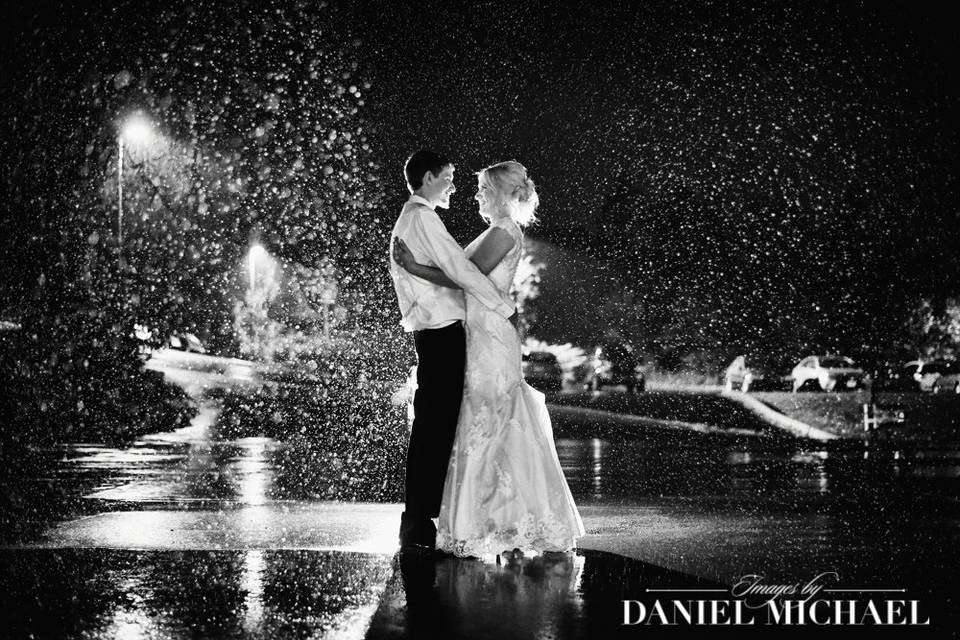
424 305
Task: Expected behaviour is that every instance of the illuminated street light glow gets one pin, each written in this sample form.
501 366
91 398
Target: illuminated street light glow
136 130
257 252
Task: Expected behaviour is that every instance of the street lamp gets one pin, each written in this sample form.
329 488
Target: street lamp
135 130
257 252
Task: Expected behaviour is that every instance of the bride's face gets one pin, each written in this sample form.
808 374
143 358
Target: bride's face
486 197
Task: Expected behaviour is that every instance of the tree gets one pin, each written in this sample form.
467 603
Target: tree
934 330
257 114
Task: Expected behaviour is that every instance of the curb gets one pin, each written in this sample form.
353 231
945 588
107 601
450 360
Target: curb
573 412
771 417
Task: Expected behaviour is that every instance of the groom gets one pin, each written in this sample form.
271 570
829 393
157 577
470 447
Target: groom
435 316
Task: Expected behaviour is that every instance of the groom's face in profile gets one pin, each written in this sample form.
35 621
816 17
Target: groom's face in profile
442 186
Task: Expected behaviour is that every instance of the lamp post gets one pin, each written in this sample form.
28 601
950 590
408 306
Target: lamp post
257 252
135 130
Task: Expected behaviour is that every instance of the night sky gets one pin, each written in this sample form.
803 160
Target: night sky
584 92
747 173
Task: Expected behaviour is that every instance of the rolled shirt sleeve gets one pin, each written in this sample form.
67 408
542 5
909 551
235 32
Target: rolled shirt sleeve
437 243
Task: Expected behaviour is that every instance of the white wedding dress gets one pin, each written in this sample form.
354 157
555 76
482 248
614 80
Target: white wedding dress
504 488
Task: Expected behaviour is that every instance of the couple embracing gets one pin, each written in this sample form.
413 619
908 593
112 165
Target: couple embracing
481 461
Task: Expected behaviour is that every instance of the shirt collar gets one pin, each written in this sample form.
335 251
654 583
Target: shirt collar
420 200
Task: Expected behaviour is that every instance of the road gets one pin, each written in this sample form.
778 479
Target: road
185 532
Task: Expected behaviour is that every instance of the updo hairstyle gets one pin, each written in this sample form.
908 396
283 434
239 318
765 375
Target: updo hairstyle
515 190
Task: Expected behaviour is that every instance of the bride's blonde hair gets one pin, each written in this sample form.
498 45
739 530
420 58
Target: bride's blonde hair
510 179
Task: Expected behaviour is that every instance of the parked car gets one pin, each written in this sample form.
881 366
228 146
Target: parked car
917 375
144 336
949 379
828 373
613 363
243 372
941 375
542 371
744 376
186 342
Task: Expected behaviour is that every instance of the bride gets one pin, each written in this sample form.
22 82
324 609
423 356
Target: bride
504 487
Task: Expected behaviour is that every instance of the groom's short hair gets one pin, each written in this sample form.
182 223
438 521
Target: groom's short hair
419 163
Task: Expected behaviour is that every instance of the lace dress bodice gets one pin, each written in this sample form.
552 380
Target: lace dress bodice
494 364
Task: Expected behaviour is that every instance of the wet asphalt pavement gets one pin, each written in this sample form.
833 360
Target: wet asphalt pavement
184 534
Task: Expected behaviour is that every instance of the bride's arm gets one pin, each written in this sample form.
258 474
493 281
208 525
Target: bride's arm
405 259
488 255
494 246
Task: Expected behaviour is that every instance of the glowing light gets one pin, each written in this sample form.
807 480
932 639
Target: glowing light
257 253
596 447
132 624
253 571
256 473
137 130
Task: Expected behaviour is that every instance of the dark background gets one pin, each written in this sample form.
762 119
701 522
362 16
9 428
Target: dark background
757 176
770 178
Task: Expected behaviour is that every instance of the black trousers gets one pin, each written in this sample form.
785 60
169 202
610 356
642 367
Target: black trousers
441 359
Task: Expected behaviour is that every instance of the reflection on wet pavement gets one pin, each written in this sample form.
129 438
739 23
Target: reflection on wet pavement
363 527
257 593
192 469
240 510
187 467
188 489
299 594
